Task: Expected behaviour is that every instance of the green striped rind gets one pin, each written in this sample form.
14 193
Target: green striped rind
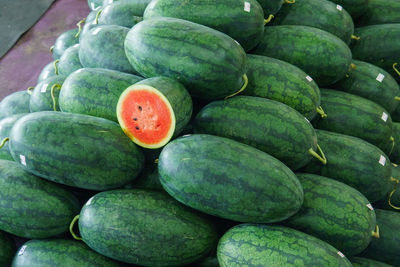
366 80
31 207
177 96
355 7
145 227
7 249
322 55
334 212
15 103
93 4
378 46
122 13
65 40
354 162
395 155
47 72
386 247
140 5
395 199
229 16
356 116
228 179
363 262
69 61
270 7
5 127
208 63
76 150
148 179
380 12
95 91
103 47
266 245
59 252
267 125
321 14
41 98
280 81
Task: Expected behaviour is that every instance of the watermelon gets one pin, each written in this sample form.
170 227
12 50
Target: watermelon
265 124
154 110
208 63
5 126
380 12
335 213
138 5
373 83
321 14
379 45
15 103
386 247
280 81
69 61
363 262
59 252
122 13
65 40
392 200
267 245
94 91
241 20
228 179
31 207
271 7
48 71
103 47
7 249
356 116
73 149
322 55
354 162
145 227
45 94
355 7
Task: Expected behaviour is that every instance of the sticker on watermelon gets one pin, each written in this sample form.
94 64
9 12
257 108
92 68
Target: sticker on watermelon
153 111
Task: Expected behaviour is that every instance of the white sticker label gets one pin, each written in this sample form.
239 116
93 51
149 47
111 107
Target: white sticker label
309 78
340 254
307 120
380 77
384 116
22 250
382 160
89 201
339 7
43 90
247 6
370 206
22 159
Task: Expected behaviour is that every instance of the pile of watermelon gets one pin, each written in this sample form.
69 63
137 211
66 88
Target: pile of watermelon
209 133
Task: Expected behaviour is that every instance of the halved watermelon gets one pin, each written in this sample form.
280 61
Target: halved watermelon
154 110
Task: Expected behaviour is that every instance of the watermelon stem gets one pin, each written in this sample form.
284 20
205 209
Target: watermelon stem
71 226
397 98
354 37
268 20
321 158
289 1
79 24
395 69
52 94
97 16
156 161
353 66
51 49
4 142
376 232
246 81
391 149
396 182
29 89
321 112
55 66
